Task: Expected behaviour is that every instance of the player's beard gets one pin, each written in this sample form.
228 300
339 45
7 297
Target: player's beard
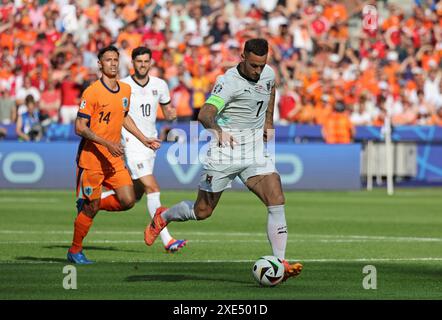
141 75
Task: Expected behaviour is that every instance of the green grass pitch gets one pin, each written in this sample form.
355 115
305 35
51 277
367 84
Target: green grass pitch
334 234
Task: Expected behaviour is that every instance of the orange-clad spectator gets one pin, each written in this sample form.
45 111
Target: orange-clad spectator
129 12
131 36
338 128
392 68
335 12
322 110
6 65
430 60
436 118
180 96
7 37
312 85
160 115
339 32
92 11
307 113
200 87
26 35
391 21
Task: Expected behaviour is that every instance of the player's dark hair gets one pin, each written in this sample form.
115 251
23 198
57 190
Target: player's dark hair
140 51
106 49
258 46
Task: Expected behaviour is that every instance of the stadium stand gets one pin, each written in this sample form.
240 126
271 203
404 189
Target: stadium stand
387 58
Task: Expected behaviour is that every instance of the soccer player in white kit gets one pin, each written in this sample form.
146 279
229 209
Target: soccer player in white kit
240 113
147 93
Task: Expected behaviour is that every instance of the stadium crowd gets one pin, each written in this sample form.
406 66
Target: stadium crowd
390 62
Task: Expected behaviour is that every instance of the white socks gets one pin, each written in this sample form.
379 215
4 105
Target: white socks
182 211
277 230
153 203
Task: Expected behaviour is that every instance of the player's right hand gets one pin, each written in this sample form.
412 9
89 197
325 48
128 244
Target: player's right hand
115 149
226 139
152 143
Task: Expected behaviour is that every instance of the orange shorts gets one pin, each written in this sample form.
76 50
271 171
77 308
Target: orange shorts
90 182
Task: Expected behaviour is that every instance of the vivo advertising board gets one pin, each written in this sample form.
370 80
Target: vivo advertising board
306 166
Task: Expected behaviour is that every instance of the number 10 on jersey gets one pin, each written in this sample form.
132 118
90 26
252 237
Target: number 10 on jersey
145 109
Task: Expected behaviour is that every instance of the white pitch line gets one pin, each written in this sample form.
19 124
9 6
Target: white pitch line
28 200
319 237
331 260
326 241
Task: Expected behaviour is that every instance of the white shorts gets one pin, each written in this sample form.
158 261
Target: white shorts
216 179
139 165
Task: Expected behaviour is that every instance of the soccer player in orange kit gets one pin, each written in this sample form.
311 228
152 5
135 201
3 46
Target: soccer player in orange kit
102 114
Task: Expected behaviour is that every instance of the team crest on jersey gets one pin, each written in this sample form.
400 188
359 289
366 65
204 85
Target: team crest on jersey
269 85
140 166
82 104
125 103
88 191
218 87
155 92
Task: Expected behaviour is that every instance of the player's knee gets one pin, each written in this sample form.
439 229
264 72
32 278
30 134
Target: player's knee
279 199
127 203
275 200
202 212
152 189
127 206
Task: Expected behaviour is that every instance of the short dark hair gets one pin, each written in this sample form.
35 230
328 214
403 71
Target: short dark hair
258 46
140 51
106 49
29 99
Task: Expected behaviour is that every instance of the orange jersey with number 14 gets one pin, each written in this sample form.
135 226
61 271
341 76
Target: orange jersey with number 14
105 110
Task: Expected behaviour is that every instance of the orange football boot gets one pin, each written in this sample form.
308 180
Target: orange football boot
291 270
155 226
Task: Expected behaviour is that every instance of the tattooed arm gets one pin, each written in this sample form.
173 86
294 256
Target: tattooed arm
268 125
207 117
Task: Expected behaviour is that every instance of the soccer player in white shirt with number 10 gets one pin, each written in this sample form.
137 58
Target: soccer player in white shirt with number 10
147 93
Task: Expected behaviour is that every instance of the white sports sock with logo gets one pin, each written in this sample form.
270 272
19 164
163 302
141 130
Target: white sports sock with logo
182 211
153 203
277 230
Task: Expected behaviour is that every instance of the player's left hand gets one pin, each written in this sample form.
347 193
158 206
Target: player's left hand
152 143
269 133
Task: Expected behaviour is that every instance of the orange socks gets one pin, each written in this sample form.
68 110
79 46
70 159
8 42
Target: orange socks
81 227
110 203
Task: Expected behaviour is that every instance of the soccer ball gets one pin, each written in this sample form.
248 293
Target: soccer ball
268 271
